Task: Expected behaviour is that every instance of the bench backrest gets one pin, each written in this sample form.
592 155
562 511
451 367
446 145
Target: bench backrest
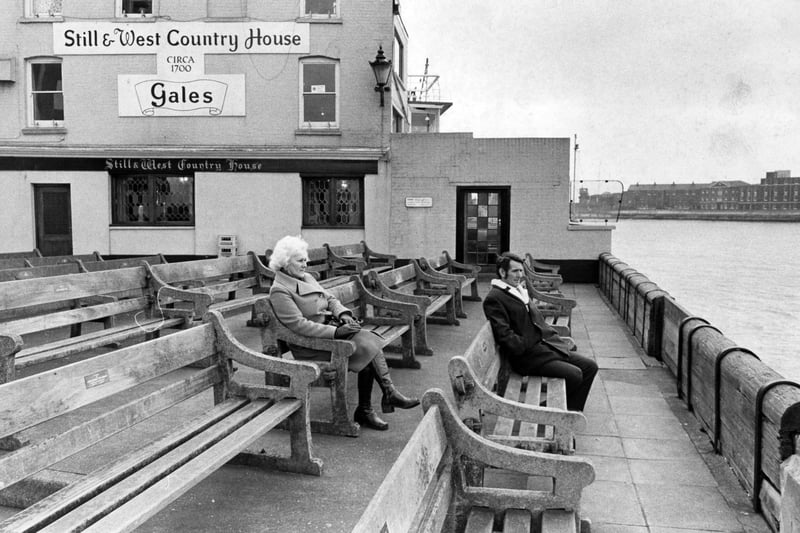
348 250
60 259
11 274
111 264
39 297
35 399
204 269
14 262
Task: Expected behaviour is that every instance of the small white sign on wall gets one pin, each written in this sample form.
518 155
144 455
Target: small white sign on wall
423 201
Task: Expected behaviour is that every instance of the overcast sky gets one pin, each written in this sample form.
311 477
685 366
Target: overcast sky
661 91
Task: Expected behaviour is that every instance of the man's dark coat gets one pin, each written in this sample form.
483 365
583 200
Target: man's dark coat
520 330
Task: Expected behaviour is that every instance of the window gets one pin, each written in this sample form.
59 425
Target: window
319 104
46 96
321 8
333 202
398 57
43 8
135 8
152 200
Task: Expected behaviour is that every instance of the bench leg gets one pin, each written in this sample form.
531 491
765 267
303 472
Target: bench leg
301 459
473 297
421 337
340 422
458 297
408 354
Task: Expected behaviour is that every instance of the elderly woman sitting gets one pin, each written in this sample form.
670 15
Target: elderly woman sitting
303 306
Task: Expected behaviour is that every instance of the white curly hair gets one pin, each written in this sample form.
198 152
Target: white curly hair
285 249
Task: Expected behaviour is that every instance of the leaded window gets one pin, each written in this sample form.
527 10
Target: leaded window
333 202
153 200
321 8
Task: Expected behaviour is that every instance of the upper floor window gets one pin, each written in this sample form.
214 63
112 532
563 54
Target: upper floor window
321 8
152 200
319 102
333 202
43 8
46 96
135 8
398 56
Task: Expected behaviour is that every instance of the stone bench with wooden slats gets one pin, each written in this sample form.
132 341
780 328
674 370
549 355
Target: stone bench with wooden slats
541 280
530 411
391 320
557 310
55 415
38 305
429 488
434 296
227 284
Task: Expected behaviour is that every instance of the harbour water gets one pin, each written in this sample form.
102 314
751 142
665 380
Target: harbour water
743 277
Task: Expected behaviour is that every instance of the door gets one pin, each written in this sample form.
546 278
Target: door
482 232
53 219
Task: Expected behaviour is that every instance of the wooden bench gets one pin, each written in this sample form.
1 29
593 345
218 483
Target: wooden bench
446 264
391 320
429 485
531 411
410 284
240 280
323 270
38 305
466 282
355 258
55 414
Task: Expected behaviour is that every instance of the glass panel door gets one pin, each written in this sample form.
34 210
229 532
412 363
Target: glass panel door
484 231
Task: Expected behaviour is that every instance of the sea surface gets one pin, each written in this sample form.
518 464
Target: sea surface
743 277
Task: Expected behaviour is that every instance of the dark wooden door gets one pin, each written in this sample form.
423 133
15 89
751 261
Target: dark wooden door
53 219
483 229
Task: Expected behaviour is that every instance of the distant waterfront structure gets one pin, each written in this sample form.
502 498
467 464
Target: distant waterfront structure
777 192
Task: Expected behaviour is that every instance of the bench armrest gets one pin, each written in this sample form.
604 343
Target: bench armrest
264 274
357 263
467 388
470 271
409 310
452 283
382 258
200 298
571 473
302 374
425 265
557 301
378 288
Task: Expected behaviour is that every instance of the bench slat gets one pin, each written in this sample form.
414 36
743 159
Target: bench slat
533 396
203 268
136 511
517 521
29 459
66 499
480 520
75 345
71 386
58 319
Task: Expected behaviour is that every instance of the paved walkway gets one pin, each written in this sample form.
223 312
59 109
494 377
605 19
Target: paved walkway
655 470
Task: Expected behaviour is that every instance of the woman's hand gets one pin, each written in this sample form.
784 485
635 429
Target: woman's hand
345 330
348 319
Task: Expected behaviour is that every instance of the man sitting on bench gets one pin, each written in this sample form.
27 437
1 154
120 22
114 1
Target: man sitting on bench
531 346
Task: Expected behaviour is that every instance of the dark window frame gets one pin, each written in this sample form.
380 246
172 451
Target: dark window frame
150 199
331 221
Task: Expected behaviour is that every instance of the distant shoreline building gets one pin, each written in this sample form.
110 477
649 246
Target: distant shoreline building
778 191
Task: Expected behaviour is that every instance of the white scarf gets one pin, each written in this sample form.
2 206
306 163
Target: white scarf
519 291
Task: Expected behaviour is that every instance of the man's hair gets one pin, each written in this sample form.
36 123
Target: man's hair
285 249
504 261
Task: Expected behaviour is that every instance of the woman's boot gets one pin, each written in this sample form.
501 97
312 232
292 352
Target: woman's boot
391 397
364 414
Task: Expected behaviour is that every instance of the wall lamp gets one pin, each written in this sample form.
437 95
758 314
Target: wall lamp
382 68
